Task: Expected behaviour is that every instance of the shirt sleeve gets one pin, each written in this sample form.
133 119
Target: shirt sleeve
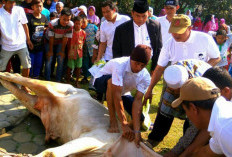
214 146
117 77
69 31
164 56
102 34
144 83
213 50
51 32
22 16
229 38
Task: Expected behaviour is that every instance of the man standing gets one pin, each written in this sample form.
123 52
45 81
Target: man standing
171 7
185 44
140 30
113 19
200 99
14 36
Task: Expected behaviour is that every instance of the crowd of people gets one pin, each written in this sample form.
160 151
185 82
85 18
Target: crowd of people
131 53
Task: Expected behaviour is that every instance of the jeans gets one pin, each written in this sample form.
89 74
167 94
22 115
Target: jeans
48 63
36 63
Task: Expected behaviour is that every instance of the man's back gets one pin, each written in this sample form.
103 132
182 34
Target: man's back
220 127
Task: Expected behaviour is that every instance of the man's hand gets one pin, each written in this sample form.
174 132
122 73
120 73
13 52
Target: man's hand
147 96
137 138
30 45
127 132
49 54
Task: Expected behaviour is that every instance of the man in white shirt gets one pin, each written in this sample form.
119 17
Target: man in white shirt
200 99
14 36
118 77
113 19
171 7
185 44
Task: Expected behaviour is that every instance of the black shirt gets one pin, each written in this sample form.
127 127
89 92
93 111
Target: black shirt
36 30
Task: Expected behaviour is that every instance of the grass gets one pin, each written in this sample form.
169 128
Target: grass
176 130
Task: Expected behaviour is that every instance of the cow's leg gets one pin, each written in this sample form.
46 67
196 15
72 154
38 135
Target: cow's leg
40 88
27 99
84 145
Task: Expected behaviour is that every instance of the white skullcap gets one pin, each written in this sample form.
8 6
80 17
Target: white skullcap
175 76
82 7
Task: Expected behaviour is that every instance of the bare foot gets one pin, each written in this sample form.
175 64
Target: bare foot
113 128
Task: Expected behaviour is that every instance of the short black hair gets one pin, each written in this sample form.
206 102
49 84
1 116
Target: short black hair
110 4
66 11
77 18
34 2
54 14
203 104
221 32
219 76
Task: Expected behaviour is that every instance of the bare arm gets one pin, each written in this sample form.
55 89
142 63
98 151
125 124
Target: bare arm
204 151
101 51
200 140
127 131
136 114
50 50
158 72
26 30
214 61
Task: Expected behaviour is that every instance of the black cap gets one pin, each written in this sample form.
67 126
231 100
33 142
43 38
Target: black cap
171 2
140 6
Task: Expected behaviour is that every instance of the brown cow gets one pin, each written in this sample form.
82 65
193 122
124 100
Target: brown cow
71 116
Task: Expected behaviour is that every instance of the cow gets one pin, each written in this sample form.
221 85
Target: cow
70 116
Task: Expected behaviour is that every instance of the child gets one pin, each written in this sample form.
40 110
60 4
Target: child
75 52
223 41
60 30
36 24
94 19
90 30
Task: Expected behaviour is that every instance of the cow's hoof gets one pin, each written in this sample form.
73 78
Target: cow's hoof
49 154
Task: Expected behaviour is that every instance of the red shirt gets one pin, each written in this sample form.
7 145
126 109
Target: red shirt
76 44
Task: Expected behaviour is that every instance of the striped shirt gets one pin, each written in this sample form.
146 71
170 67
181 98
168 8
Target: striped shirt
56 30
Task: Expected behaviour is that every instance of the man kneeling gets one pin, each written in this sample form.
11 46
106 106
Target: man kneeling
118 77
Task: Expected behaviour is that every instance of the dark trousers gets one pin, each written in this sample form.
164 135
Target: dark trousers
101 86
162 126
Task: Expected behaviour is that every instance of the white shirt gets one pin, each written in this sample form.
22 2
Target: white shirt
107 31
141 35
220 127
122 75
199 46
165 24
13 36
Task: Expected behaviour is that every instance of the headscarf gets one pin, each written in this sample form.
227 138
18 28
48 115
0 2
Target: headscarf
189 15
162 12
94 18
222 21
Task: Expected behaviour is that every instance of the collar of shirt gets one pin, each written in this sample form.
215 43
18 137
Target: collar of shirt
190 39
118 17
143 26
6 12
